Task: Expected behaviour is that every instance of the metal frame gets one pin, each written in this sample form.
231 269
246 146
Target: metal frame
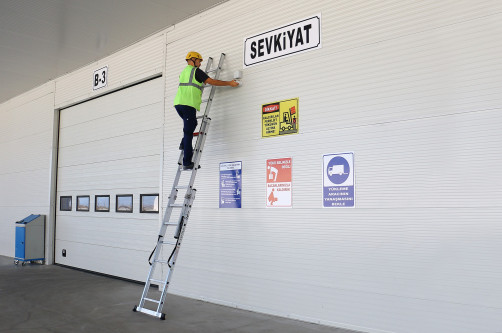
71 203
88 206
96 203
141 210
117 203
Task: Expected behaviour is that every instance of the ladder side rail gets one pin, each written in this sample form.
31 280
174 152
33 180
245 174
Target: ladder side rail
175 254
185 210
173 195
198 152
162 231
213 90
208 68
146 287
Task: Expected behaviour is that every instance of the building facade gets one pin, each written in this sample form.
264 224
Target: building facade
410 89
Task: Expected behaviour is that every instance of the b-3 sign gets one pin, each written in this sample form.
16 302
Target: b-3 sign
300 36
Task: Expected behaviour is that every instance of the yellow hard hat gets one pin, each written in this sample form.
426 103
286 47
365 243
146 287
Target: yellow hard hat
193 54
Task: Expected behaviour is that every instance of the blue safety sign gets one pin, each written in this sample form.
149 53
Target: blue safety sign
338 180
231 184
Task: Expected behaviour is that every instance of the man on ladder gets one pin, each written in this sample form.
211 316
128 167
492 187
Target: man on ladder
188 100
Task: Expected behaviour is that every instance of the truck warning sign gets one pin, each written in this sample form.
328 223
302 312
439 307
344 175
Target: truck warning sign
280 118
338 180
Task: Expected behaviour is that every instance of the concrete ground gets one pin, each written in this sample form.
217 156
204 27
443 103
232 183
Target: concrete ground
40 298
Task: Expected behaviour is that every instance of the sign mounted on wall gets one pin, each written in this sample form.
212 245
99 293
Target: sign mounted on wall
279 184
279 118
100 78
300 36
338 180
231 184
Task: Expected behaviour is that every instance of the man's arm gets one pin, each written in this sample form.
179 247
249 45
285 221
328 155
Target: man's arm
220 83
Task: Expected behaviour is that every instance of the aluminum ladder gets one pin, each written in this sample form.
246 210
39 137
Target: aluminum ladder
180 224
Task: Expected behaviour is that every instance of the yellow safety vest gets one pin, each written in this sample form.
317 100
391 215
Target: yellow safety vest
189 90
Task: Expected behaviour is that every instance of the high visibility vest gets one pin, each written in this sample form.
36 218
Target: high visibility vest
189 90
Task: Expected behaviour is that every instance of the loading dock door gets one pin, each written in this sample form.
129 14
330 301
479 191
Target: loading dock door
109 146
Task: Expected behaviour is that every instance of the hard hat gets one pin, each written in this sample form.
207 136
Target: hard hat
193 54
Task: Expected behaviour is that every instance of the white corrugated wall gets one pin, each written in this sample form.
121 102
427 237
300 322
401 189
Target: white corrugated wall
413 88
26 128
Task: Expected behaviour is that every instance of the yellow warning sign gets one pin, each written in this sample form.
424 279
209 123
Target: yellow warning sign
279 118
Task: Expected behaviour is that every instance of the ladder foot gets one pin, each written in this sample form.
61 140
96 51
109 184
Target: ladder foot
134 309
163 316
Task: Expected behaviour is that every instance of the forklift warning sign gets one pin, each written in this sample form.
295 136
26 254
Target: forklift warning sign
279 187
279 118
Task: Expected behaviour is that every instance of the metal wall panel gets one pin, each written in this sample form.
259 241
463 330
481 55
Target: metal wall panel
25 150
108 146
413 89
127 66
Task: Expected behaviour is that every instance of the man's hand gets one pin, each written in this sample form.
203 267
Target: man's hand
220 83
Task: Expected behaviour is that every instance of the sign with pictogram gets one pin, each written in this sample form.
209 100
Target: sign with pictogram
279 184
338 180
231 184
279 118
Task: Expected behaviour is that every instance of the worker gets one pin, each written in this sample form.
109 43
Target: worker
188 100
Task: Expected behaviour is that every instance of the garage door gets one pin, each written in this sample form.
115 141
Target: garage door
108 165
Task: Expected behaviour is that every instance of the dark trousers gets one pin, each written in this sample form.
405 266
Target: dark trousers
188 114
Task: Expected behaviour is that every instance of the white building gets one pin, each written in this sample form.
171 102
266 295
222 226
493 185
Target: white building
412 88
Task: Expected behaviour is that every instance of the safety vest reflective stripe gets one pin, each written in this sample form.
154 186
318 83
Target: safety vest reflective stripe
190 81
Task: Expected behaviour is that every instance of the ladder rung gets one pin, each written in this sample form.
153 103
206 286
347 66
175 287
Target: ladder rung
150 312
162 261
152 300
179 187
206 100
176 205
157 281
170 243
171 223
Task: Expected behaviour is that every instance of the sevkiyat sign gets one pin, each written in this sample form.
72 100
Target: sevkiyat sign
294 38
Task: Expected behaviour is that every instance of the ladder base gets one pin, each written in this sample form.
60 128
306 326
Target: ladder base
161 316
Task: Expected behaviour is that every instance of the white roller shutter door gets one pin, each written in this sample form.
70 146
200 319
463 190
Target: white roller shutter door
110 146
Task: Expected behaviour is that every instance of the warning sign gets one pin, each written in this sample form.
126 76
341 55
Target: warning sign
279 118
279 185
338 180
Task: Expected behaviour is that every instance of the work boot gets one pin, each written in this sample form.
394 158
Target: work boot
188 167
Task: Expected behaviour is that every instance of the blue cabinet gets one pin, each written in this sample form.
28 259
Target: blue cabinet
30 239
20 240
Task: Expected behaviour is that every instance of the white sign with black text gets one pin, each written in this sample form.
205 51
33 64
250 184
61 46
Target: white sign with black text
294 38
100 78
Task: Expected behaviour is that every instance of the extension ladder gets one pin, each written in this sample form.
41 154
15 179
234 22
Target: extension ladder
181 222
